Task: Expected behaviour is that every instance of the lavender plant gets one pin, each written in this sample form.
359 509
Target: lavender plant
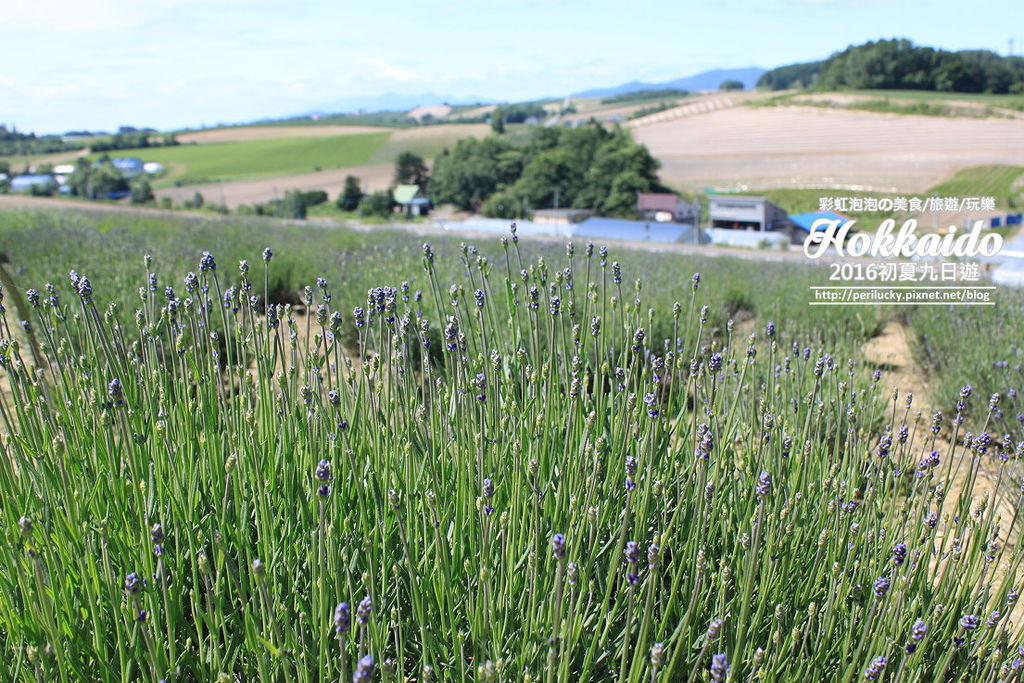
510 476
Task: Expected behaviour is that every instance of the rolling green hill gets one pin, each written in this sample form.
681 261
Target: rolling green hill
256 158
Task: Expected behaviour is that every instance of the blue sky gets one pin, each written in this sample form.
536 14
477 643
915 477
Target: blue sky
98 64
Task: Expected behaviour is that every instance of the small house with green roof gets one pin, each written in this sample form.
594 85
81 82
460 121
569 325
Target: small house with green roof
411 200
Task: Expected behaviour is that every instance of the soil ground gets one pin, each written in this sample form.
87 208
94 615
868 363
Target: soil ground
746 148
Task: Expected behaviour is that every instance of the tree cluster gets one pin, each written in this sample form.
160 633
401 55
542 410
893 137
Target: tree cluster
898 64
135 139
646 94
588 167
100 181
13 142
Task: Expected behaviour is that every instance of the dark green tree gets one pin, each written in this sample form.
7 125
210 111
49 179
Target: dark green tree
410 169
731 84
104 181
379 203
351 195
498 121
142 192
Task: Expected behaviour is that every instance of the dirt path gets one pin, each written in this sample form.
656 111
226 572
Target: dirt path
892 353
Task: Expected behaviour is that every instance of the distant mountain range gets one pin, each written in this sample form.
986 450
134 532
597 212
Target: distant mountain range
392 102
707 80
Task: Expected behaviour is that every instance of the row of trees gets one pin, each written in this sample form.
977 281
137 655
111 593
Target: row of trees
586 167
13 142
135 139
898 64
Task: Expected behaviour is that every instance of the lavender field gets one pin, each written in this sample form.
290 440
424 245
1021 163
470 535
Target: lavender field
261 452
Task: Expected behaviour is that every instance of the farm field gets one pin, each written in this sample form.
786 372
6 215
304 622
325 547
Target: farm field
285 452
247 133
232 193
375 173
261 157
748 148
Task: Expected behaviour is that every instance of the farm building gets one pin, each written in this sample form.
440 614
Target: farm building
664 207
640 231
561 216
737 212
130 167
803 222
595 228
32 183
411 200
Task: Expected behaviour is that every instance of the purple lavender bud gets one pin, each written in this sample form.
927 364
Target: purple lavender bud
769 329
133 584
929 461
917 633
479 294
965 393
33 297
652 555
902 433
649 401
84 289
558 546
487 491
364 670
931 520
876 376
875 668
695 279
993 619
764 484
705 442
115 391
715 362
323 470
1011 597
267 255
969 622
714 629
630 471
206 263
884 444
572 573
899 554
25 524
632 558
342 618
364 609
881 586
141 616
359 316
657 655
156 533
616 272
719 667
556 304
